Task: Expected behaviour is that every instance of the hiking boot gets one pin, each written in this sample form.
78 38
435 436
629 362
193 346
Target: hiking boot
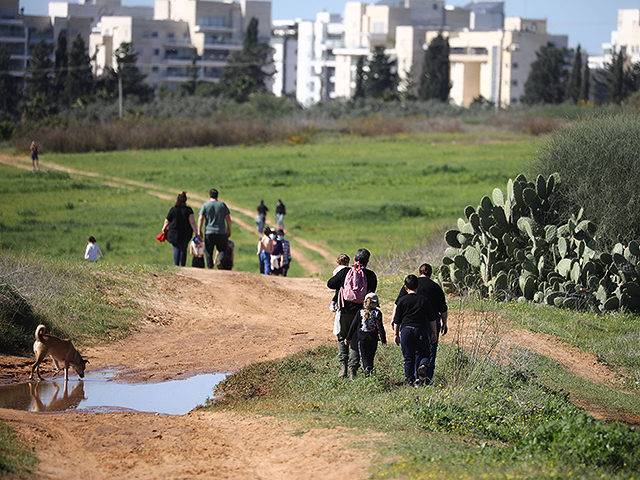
353 373
343 371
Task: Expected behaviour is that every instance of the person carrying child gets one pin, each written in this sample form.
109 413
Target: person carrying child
196 248
92 251
354 284
367 325
415 329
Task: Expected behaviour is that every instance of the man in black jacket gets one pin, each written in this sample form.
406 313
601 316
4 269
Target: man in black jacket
348 355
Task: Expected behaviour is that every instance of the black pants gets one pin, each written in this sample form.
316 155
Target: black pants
367 353
211 240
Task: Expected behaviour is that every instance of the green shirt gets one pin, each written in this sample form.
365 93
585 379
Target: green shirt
214 213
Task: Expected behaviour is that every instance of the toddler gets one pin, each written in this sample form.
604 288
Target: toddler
343 262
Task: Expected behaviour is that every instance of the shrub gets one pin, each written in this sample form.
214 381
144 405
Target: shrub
18 321
597 160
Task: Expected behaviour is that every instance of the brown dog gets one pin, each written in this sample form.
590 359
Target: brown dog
59 350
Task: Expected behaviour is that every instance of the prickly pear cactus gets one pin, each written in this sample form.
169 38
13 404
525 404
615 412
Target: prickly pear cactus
513 246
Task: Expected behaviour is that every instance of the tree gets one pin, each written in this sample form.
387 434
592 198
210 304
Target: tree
132 78
623 78
80 79
585 85
381 80
61 61
575 80
39 91
9 91
360 79
246 71
547 79
435 79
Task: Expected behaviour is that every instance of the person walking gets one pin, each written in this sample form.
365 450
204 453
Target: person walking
367 324
34 156
354 283
92 252
415 329
286 252
179 225
216 219
197 250
281 211
261 218
265 247
432 292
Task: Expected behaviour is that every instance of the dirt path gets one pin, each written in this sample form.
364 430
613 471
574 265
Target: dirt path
205 321
310 267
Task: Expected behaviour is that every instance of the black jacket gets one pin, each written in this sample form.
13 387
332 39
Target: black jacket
337 281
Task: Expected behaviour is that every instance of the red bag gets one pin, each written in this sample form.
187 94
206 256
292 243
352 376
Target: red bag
162 237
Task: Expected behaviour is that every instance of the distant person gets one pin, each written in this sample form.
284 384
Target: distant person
432 292
34 156
281 211
197 250
415 330
261 218
286 252
216 219
265 247
367 327
225 259
179 225
277 254
92 251
354 283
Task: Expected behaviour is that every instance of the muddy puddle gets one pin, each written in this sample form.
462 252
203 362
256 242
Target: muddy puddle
97 393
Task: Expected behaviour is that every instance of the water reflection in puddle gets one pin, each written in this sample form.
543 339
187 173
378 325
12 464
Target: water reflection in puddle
97 394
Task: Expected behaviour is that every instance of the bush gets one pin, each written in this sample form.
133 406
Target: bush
18 321
597 160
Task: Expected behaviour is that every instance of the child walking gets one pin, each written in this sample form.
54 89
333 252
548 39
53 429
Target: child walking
93 251
367 328
196 249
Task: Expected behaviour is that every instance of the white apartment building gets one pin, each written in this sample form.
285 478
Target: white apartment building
490 56
180 30
284 42
625 38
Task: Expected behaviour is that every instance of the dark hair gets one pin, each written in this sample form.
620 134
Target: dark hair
343 259
267 231
213 193
92 239
411 282
425 269
363 255
280 231
182 199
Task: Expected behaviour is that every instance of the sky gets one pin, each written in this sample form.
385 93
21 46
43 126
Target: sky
586 22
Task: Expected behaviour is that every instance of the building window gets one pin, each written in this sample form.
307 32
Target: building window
154 34
155 69
514 83
514 101
171 35
146 34
515 65
156 52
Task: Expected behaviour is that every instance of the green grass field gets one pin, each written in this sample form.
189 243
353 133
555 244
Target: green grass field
385 194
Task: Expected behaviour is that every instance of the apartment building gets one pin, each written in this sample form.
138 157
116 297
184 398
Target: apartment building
181 30
625 38
20 33
284 42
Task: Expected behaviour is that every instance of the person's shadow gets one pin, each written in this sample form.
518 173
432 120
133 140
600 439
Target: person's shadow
67 402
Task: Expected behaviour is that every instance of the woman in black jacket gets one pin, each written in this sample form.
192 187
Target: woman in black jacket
179 224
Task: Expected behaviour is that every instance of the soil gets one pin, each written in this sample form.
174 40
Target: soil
203 321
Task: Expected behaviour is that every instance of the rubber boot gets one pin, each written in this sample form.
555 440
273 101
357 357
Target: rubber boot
343 371
353 373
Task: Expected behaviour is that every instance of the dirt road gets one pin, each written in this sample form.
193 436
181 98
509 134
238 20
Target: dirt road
205 321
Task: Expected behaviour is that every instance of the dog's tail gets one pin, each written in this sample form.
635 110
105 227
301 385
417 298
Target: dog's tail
39 331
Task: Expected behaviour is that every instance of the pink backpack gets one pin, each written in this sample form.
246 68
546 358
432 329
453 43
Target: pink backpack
355 285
